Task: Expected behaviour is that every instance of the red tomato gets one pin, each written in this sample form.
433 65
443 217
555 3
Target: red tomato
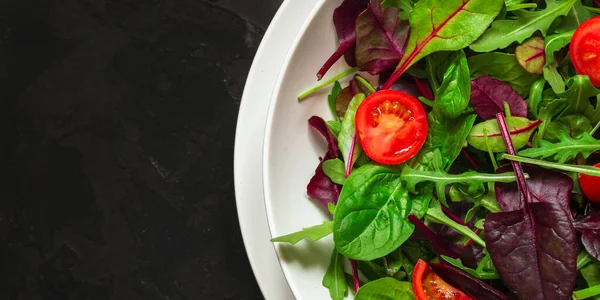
585 49
429 286
391 126
590 185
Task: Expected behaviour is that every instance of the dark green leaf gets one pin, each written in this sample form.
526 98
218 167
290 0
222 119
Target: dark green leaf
436 215
313 233
536 97
370 217
504 67
334 279
335 91
481 274
505 32
455 91
385 289
576 16
579 92
564 150
547 113
575 125
334 169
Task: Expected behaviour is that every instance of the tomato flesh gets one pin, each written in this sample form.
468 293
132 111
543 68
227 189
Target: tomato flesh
391 126
585 50
427 285
590 185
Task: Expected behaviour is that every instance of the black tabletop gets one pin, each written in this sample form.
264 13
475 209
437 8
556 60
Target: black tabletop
117 121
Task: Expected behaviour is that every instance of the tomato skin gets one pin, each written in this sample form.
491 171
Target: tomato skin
590 186
391 126
429 286
585 49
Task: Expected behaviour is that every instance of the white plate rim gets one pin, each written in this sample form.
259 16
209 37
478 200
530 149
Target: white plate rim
248 149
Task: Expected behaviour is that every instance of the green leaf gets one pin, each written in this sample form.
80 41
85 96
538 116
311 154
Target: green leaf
372 269
547 113
447 25
413 177
520 129
566 149
582 169
331 208
483 274
575 125
436 65
335 91
334 169
385 289
420 204
334 127
406 7
347 141
591 273
553 44
579 92
505 32
593 113
576 16
436 215
504 67
535 96
531 55
334 279
313 233
455 92
371 215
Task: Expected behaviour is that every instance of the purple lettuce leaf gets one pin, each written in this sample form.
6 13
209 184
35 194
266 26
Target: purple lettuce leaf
344 19
544 186
597 3
404 84
469 255
380 38
321 188
489 94
589 226
534 248
473 287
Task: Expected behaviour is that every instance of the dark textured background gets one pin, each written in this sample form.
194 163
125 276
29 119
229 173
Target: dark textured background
117 120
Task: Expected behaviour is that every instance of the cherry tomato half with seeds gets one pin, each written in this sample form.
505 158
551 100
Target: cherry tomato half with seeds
585 50
427 285
590 185
391 126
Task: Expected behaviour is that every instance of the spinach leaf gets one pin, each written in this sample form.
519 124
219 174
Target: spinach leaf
475 288
444 26
380 38
347 139
334 169
454 93
488 96
568 148
335 278
314 233
370 217
320 188
504 67
488 133
505 32
531 55
385 289
579 92
344 19
436 65
335 91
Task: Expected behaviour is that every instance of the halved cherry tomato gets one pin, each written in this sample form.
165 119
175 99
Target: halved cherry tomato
590 185
429 286
585 49
391 126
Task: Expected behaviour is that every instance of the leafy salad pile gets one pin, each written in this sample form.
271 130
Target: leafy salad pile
467 171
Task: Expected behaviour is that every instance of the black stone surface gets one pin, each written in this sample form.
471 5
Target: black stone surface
117 120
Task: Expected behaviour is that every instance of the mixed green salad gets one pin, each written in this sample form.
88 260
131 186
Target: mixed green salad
470 170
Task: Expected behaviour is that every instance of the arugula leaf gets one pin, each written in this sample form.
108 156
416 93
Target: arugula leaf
455 91
593 113
547 113
568 148
370 217
385 289
334 169
335 278
505 32
413 177
504 67
576 16
575 125
535 96
444 26
583 169
579 92
314 233
555 43
481 274
436 215
335 91
347 139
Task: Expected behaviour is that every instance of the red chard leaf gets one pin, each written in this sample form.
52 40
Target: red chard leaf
473 287
321 188
531 55
344 19
544 186
488 96
597 3
589 226
380 38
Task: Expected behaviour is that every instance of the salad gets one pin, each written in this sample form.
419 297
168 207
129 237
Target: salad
471 168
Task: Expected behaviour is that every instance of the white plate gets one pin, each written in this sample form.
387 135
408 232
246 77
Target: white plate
248 145
292 150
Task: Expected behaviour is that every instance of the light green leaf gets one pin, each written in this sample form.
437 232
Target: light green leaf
547 114
436 215
483 274
313 233
553 44
520 129
536 96
347 140
582 169
568 148
504 67
334 279
386 289
579 92
505 32
575 125
334 169
455 92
